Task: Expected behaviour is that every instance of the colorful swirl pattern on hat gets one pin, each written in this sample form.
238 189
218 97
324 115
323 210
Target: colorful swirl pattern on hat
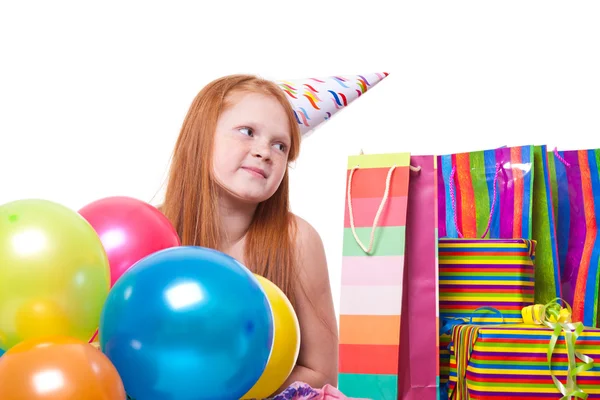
316 100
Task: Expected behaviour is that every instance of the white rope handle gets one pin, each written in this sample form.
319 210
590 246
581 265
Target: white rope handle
376 220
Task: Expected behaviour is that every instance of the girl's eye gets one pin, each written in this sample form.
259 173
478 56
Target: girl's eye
281 146
247 131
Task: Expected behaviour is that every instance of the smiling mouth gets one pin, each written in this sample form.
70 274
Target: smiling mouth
256 172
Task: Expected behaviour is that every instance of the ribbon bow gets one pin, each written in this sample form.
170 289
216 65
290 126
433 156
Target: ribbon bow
554 316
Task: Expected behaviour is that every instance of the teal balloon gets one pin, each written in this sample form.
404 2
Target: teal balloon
187 323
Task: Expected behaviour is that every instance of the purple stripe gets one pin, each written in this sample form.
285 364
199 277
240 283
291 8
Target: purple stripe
462 241
577 227
523 267
542 331
488 394
507 266
487 303
483 354
506 186
441 190
471 287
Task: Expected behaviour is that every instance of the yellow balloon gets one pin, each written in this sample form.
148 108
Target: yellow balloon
38 315
286 343
54 272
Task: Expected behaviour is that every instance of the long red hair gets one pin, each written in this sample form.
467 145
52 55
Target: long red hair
191 199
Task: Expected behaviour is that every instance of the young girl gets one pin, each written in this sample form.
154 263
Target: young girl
228 190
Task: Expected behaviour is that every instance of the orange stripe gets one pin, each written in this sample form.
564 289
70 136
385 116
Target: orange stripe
370 329
368 359
370 182
467 199
515 159
590 237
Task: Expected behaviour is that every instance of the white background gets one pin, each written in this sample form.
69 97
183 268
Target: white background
92 96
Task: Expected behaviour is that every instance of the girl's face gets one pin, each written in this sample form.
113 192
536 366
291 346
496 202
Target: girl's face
251 147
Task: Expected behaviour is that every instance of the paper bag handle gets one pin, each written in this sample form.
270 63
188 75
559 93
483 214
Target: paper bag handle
376 219
562 160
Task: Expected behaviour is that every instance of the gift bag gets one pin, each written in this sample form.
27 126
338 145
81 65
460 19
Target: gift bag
576 199
486 255
372 275
478 184
419 338
547 269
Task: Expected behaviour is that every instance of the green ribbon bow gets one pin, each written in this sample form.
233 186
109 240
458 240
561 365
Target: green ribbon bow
550 315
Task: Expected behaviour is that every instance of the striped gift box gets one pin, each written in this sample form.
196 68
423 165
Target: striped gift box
444 365
510 362
371 292
497 273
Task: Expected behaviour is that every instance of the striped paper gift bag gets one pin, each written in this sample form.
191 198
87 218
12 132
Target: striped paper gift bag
547 269
486 192
575 182
372 273
476 273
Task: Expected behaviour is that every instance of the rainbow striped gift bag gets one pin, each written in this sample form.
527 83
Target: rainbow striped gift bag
509 361
372 274
547 269
486 193
574 177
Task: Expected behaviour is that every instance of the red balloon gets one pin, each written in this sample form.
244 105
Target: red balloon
130 230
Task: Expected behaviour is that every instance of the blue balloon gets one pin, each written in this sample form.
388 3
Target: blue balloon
1 352
187 323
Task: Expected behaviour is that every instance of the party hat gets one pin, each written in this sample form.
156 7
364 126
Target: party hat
315 100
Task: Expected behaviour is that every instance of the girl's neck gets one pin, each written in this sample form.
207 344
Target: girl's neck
236 217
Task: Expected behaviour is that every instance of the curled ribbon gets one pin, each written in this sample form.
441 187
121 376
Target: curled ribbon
463 339
451 322
554 316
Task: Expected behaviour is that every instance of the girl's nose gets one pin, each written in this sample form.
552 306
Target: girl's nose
261 150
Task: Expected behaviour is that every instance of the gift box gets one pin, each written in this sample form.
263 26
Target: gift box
510 361
477 273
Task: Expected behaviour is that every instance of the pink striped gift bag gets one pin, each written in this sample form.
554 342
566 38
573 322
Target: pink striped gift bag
372 275
575 181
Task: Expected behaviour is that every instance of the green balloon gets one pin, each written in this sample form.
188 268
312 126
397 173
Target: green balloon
54 273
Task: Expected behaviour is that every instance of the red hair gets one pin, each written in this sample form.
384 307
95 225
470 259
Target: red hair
191 199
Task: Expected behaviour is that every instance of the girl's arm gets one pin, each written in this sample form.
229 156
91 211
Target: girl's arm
317 362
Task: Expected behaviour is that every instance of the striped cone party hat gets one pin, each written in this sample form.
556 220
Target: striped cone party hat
316 100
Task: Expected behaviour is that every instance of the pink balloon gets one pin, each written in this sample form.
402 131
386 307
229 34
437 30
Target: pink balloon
130 230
